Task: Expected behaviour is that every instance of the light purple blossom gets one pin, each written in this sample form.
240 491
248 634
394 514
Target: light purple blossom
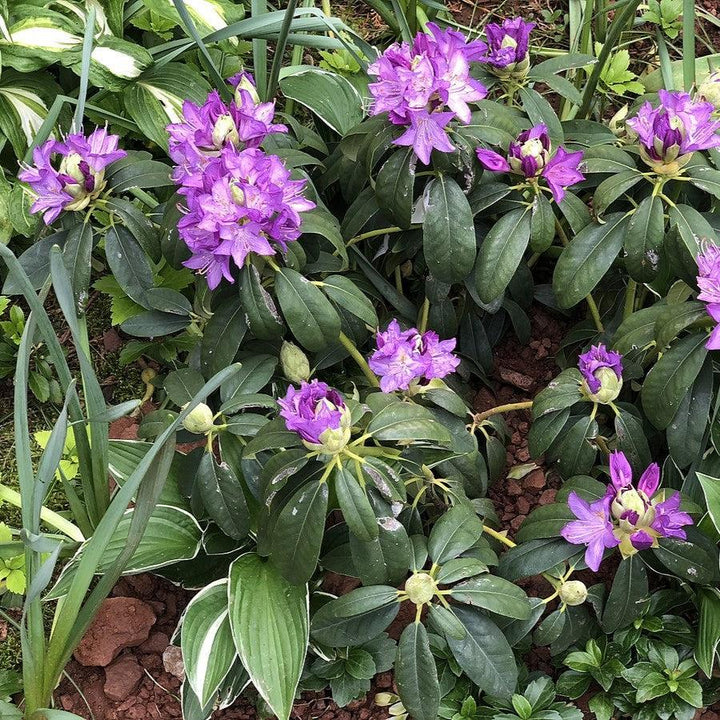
676 128
597 357
708 280
508 44
593 528
425 85
246 203
68 174
405 356
208 128
312 410
627 516
531 155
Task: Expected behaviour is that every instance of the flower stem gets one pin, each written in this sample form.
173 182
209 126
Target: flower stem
499 536
525 405
422 324
349 345
374 233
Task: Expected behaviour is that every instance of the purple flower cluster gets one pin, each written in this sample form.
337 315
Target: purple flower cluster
78 177
531 155
593 363
626 517
708 280
425 85
671 132
406 356
508 44
316 412
212 126
239 199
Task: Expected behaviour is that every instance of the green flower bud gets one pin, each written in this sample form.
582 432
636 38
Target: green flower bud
610 386
200 419
225 131
420 588
333 440
709 89
573 592
295 365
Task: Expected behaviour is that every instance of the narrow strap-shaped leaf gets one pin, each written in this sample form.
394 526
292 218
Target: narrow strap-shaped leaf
84 69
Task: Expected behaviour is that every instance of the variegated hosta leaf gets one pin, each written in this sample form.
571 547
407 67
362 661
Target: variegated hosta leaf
206 641
24 101
155 98
208 15
115 62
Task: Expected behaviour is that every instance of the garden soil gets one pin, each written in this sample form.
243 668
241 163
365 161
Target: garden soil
126 667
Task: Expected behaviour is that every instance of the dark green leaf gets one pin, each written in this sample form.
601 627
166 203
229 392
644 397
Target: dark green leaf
628 595
416 674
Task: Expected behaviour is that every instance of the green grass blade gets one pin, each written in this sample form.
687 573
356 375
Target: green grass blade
260 52
280 49
84 69
688 43
665 64
620 22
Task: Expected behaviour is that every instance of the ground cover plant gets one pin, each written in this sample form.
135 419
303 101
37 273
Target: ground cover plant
313 243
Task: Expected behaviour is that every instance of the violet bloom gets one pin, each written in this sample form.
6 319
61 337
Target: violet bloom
404 357
208 128
593 528
318 414
246 203
636 520
531 155
671 132
508 47
425 85
708 280
602 373
79 176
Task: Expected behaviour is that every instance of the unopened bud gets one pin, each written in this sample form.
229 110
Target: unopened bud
200 419
225 131
246 84
610 386
573 592
709 89
295 365
617 121
420 588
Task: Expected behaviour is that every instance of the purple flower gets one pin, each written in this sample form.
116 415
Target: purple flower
593 528
592 366
318 414
626 516
508 45
708 280
403 357
671 132
669 520
531 155
208 128
425 85
245 203
79 176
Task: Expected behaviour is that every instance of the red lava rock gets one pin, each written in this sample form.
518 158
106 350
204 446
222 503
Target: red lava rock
122 678
547 497
516 522
124 428
535 479
523 506
513 488
156 643
111 340
172 661
518 380
122 622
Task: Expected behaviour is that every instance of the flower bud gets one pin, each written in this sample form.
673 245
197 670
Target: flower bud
709 89
610 386
200 419
420 588
246 84
70 165
573 592
224 131
333 440
295 364
617 121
